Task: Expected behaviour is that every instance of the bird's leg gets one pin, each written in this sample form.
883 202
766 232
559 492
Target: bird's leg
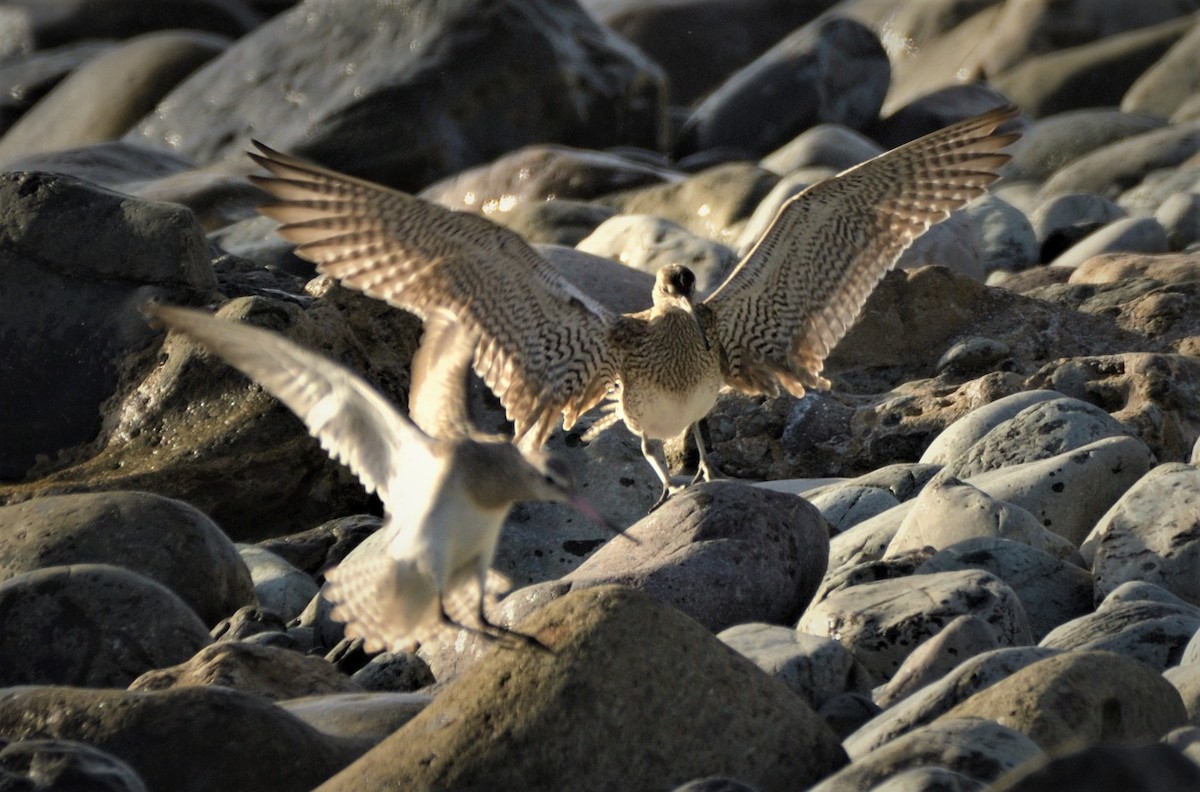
445 618
499 631
705 469
658 462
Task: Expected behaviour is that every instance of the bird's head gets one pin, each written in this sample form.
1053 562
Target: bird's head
675 287
553 481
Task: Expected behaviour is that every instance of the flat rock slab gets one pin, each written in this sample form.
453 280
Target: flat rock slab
631 694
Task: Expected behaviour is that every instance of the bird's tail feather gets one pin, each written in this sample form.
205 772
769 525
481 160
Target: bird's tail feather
382 600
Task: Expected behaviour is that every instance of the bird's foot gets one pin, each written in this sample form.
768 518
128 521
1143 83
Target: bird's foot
707 472
509 638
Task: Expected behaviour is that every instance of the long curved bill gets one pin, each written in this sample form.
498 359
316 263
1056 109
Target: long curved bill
585 507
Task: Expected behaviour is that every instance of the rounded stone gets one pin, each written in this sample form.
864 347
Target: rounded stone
164 539
109 625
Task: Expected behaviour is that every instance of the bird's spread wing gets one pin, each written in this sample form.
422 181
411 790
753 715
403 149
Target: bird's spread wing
542 344
800 288
352 420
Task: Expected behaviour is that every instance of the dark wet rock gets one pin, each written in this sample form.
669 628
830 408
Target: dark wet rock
67 765
166 540
1107 767
1090 75
730 33
1124 235
64 21
1064 220
318 548
105 97
80 259
188 740
1081 695
407 96
393 672
196 429
248 621
882 622
256 670
108 625
824 145
114 164
837 65
528 714
845 712
714 784
981 749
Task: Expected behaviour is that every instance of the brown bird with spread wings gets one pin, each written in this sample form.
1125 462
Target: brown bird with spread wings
546 349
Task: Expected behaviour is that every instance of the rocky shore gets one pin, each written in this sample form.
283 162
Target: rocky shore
971 565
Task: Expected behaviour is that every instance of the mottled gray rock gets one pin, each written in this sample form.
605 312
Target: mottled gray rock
399 672
817 669
881 623
845 506
1129 234
1111 169
1080 696
964 637
948 512
845 712
80 261
825 145
264 671
980 749
922 707
1069 492
501 722
188 740
1161 89
278 586
420 79
868 540
164 539
67 765
1062 221
1154 633
952 243
108 625
1007 240
837 64
974 356
1108 767
1052 589
648 243
539 174
853 574
108 95
714 784
1149 534
1148 195
963 433
1039 431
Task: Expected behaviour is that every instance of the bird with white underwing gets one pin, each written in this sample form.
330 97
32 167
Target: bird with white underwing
548 351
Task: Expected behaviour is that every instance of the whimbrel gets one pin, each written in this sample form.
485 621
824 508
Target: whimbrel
545 349
445 498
